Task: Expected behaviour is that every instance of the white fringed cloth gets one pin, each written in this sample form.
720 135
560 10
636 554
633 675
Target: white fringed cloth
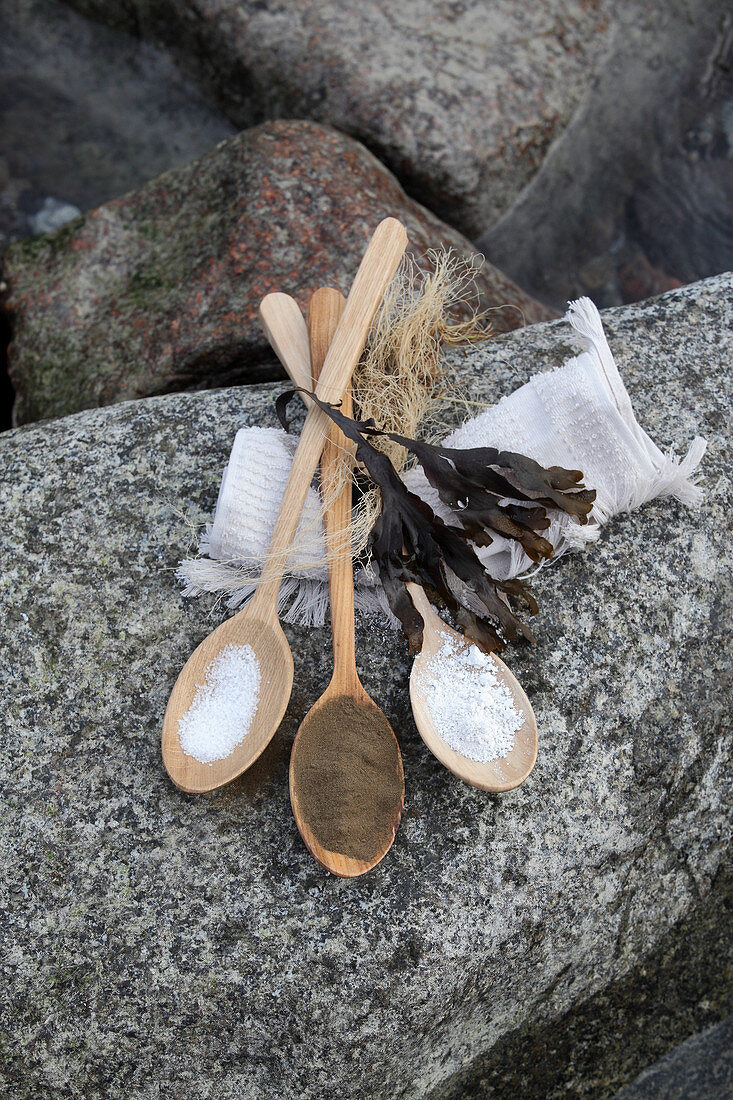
578 416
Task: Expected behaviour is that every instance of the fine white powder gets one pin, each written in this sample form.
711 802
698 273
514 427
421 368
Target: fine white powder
221 713
472 710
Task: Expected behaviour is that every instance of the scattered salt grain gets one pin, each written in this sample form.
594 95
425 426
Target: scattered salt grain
472 709
221 713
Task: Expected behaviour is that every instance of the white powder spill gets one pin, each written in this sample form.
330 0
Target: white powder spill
221 713
472 710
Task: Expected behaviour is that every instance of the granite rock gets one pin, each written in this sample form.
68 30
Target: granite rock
87 113
158 291
163 945
684 214
460 99
699 1069
659 106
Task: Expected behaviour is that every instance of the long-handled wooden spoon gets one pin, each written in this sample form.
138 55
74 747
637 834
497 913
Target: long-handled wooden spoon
496 775
347 783
257 625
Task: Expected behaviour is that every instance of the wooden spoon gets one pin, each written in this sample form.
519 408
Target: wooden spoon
257 625
347 784
496 775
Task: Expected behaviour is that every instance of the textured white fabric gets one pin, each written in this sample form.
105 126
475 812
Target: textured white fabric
578 416
249 497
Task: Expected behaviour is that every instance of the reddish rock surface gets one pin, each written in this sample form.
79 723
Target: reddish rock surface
640 279
158 291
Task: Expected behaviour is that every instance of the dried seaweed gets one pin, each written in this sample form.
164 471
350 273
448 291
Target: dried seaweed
484 500
409 542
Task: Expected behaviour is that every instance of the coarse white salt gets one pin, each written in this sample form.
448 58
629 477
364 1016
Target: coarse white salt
472 709
222 710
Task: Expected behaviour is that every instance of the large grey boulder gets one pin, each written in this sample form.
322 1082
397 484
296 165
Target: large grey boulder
552 941
159 290
466 102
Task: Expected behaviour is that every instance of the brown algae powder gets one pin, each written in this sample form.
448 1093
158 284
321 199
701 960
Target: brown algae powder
348 776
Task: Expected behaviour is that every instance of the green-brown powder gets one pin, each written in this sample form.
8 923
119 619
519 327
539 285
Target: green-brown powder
347 772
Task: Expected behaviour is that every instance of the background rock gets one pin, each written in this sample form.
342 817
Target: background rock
461 99
532 126
644 171
700 1069
684 214
159 290
161 943
632 100
87 113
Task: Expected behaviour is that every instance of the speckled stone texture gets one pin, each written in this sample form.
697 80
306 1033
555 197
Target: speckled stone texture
699 1069
159 290
460 98
164 945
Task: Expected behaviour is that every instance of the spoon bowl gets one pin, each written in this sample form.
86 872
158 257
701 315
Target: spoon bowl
367 769
498 775
267 639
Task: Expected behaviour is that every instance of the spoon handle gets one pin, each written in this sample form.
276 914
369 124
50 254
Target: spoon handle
376 270
420 599
287 333
433 622
324 311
